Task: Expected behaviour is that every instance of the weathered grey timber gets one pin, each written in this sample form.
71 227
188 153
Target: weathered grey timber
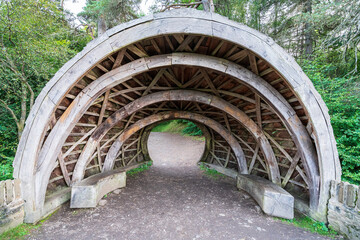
35 159
272 199
87 193
115 147
177 95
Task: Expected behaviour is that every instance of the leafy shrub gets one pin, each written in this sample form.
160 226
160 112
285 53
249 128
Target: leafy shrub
342 97
191 129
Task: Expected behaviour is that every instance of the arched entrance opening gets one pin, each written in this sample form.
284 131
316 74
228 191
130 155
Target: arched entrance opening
172 144
251 96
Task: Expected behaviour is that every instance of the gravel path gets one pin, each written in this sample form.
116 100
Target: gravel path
172 200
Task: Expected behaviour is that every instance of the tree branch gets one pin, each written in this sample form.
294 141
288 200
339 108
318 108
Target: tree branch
11 112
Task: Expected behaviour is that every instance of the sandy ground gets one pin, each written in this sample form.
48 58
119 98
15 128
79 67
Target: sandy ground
172 200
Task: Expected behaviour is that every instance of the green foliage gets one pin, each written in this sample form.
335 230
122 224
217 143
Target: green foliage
6 168
191 129
182 126
311 225
342 97
113 12
36 40
139 169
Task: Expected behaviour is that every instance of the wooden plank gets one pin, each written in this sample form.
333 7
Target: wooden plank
154 81
184 44
199 43
258 110
153 42
254 158
239 56
253 64
217 48
64 169
137 51
291 169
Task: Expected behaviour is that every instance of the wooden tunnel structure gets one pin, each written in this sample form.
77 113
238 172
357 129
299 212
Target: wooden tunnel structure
260 112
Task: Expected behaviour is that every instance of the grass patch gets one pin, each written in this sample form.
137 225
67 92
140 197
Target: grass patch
210 172
311 225
139 169
23 230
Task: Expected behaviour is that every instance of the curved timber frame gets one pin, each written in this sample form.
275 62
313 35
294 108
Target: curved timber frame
179 95
115 147
227 66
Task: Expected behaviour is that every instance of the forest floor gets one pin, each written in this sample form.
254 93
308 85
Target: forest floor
174 199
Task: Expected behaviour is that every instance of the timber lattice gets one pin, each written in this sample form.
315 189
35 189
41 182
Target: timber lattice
208 76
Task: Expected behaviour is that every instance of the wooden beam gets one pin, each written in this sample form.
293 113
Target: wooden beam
111 156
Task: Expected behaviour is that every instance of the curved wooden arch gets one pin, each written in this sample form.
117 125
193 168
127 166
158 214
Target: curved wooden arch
115 147
205 24
178 95
54 141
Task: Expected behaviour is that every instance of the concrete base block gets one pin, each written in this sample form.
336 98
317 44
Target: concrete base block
52 203
87 193
272 199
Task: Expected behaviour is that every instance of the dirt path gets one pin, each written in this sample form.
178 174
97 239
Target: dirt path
171 202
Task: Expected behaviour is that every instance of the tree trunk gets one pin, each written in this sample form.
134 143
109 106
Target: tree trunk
308 31
22 119
208 5
101 28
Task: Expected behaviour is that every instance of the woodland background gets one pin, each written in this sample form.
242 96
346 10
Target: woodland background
38 36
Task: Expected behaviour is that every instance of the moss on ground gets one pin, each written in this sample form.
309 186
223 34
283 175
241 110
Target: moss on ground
311 225
23 230
139 169
210 172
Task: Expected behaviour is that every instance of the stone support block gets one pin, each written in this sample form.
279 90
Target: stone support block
272 199
87 193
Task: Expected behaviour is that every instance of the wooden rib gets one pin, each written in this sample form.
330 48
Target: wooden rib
185 44
238 56
103 107
258 110
291 169
300 171
227 157
119 58
78 142
172 78
230 51
209 82
154 81
137 51
267 71
253 64
99 156
170 43
254 158
199 43
153 42
104 69
217 48
63 169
